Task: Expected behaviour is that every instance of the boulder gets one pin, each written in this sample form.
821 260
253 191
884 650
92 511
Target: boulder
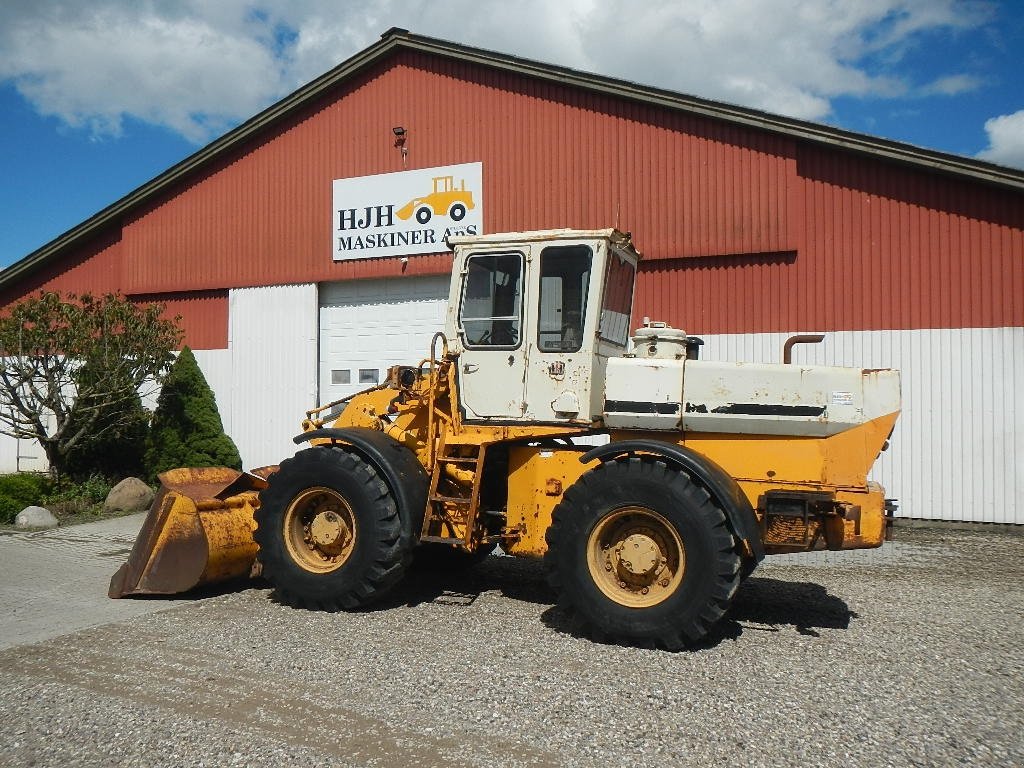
130 495
35 517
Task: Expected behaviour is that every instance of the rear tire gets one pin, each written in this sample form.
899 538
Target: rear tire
329 532
641 554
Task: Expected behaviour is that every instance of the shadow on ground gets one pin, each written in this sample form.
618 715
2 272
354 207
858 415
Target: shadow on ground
760 605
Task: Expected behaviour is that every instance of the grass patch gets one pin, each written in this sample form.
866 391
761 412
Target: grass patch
70 502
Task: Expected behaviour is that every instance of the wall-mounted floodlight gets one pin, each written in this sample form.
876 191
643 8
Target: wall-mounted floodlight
400 134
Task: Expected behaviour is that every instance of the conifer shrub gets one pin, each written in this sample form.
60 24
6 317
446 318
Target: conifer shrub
186 430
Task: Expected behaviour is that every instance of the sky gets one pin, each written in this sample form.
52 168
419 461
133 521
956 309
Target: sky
98 97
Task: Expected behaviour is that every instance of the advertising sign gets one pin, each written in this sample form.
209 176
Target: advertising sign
398 214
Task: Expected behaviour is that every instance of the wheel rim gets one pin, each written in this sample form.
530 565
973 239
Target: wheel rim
319 530
636 557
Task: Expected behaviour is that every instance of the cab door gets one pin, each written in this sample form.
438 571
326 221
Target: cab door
490 324
560 365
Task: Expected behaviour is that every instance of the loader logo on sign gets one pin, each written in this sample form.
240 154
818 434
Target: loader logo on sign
398 214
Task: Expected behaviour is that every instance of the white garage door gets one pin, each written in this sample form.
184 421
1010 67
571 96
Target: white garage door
368 325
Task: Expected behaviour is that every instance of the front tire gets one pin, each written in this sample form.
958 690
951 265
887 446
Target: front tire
641 553
329 532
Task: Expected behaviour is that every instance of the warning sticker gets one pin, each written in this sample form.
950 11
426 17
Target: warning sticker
842 398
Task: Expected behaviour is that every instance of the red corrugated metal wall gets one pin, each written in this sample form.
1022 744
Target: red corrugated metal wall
743 230
878 246
203 316
552 158
98 268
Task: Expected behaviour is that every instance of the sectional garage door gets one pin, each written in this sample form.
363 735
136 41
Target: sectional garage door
368 325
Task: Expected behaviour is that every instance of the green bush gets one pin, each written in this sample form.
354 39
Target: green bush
91 490
186 430
9 509
70 498
19 491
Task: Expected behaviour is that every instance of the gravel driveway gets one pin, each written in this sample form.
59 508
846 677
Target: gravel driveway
906 656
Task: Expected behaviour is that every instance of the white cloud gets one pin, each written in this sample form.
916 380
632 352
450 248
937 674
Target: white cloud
951 85
195 66
1005 140
92 65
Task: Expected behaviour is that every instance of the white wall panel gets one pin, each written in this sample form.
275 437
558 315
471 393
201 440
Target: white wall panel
21 456
272 337
958 449
218 368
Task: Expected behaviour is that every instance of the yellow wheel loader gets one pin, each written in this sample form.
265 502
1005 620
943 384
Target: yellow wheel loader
651 482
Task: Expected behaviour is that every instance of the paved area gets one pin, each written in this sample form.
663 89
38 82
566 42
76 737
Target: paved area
909 656
54 582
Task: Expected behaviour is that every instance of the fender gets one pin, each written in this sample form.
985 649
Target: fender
724 490
396 464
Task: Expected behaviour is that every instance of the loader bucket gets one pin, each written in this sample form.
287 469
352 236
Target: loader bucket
198 531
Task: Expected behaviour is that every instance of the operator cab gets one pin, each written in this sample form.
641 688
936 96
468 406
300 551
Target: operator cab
535 318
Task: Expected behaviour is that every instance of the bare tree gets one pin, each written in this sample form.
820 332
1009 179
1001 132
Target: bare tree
67 361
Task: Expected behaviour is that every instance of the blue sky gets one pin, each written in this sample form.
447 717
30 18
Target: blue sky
97 98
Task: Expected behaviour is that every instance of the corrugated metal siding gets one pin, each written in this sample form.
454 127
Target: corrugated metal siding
274 369
97 269
552 157
203 316
958 449
770 233
878 247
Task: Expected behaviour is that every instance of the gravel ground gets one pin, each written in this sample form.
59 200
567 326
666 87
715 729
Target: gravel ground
909 657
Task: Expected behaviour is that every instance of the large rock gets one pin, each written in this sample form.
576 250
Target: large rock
35 517
130 495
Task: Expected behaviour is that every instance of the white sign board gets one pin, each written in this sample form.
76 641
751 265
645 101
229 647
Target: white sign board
397 214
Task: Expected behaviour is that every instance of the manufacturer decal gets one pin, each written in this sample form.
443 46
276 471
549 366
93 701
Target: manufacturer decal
842 398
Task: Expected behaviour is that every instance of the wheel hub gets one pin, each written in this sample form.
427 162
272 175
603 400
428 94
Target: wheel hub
328 529
320 530
636 557
640 554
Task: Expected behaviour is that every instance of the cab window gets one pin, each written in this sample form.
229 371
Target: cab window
564 283
618 300
492 300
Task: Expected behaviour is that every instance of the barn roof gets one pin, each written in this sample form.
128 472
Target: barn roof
397 39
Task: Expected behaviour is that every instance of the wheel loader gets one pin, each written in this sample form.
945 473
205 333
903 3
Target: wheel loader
651 482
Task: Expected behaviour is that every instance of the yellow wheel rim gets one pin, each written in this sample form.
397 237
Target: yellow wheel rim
319 530
636 557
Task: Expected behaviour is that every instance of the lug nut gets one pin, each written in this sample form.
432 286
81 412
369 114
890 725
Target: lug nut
664 582
644 591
